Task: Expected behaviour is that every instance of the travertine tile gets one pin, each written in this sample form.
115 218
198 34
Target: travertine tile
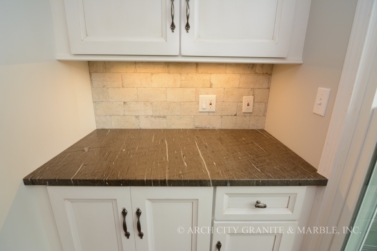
182 67
259 109
207 122
153 122
261 95
95 66
106 77
195 80
151 67
235 122
189 108
219 92
122 94
138 108
236 95
166 108
100 94
180 121
136 79
166 80
103 122
264 68
226 108
239 68
151 94
106 84
120 67
125 121
106 80
167 94
180 94
211 68
257 122
254 81
225 80
108 108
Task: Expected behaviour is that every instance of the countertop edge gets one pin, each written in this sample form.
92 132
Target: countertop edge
178 183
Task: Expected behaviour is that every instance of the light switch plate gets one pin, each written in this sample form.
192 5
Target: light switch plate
207 103
321 101
247 103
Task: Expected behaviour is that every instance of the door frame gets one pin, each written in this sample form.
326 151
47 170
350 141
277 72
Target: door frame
352 134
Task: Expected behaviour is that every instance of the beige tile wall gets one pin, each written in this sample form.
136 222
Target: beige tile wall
165 95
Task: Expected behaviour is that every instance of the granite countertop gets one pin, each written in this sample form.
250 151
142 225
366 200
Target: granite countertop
122 157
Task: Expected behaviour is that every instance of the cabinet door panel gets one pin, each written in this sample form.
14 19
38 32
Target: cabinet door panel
165 211
241 28
90 219
254 236
121 27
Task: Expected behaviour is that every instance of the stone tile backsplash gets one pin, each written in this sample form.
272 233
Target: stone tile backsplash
166 95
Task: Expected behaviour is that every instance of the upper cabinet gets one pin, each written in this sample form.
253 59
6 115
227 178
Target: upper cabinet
244 31
238 28
121 27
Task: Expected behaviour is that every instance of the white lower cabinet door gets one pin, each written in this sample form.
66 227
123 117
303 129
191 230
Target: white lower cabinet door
93 218
169 219
253 236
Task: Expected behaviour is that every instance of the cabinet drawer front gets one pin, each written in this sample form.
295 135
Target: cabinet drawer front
239 203
253 236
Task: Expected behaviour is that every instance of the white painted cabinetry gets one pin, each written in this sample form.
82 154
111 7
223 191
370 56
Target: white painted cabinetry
121 27
260 31
91 219
170 215
260 218
253 236
180 218
238 28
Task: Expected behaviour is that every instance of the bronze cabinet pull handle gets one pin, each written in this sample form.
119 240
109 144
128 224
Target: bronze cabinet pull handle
138 213
258 204
126 233
218 246
172 26
187 27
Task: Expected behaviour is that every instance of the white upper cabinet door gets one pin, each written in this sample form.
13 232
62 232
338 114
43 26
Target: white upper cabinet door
237 28
122 27
91 218
168 218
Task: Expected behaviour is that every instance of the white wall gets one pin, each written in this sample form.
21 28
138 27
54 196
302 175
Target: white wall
45 106
294 87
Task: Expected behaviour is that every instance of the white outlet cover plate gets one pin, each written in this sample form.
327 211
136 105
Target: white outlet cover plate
247 104
320 104
207 103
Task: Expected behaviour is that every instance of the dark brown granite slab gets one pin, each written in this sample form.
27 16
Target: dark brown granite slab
176 158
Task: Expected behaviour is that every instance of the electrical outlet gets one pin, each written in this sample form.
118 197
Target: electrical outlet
247 104
207 103
321 101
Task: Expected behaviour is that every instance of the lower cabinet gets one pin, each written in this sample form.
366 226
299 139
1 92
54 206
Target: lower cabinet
169 217
253 236
132 218
181 218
